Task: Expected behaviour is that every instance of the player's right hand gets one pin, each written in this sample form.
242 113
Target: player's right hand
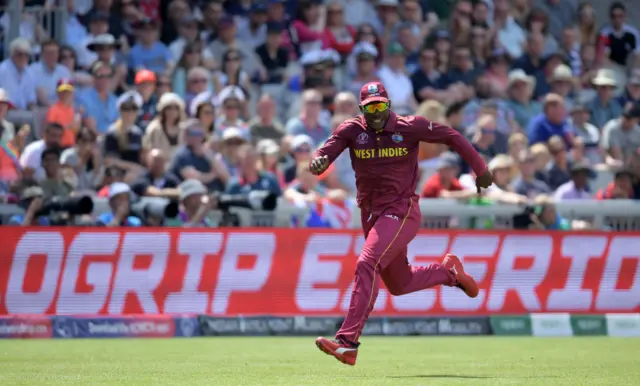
319 165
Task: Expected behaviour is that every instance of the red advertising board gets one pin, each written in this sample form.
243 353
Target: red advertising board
85 271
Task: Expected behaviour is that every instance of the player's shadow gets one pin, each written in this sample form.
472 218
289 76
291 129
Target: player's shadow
440 376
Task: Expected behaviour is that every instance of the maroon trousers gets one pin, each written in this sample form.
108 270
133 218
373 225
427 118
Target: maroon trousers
384 254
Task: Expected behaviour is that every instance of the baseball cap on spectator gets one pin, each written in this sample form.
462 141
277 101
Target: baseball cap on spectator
395 48
232 133
583 167
519 75
365 49
102 41
267 147
448 160
190 187
562 73
373 92
129 100
330 55
605 78
205 97
118 188
631 110
20 45
622 172
4 98
387 3
302 142
231 92
64 85
311 58
144 76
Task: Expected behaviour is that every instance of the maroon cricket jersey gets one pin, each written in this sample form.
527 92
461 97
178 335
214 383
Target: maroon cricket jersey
386 161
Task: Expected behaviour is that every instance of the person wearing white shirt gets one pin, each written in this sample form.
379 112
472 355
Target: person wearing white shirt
47 72
188 31
510 35
394 77
31 157
98 25
14 77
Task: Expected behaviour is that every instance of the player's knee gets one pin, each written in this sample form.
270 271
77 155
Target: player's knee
394 290
365 263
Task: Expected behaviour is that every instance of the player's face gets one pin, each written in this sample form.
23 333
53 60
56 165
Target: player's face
376 114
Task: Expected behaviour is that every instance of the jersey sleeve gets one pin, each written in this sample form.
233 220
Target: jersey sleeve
428 131
336 144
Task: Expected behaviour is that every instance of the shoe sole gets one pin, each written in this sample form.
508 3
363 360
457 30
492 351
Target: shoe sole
466 282
327 351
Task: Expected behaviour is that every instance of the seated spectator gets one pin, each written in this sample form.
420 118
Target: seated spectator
338 35
345 103
516 143
231 73
542 158
98 26
195 205
82 163
31 157
544 77
306 188
302 147
589 134
163 132
265 125
308 122
106 48
428 153
31 200
232 99
123 140
558 171
15 78
156 181
444 183
188 33
53 185
9 160
203 109
453 116
98 103
520 93
462 69
531 62
578 187
526 184
112 174
63 112
228 39
563 83
145 84
363 59
620 188
120 205
621 136
484 103
47 73
545 216
502 168
484 137
273 56
393 76
551 123
148 52
631 91
195 160
427 80
269 153
232 140
250 177
190 76
7 129
604 107
498 66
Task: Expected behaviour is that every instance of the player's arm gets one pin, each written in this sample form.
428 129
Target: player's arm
331 149
428 131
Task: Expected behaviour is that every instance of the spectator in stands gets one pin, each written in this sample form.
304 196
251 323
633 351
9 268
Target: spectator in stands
46 73
69 60
198 81
453 116
112 174
604 107
7 129
444 183
460 21
307 189
15 78
188 33
227 39
589 134
203 109
273 56
526 184
618 40
231 72
145 85
621 136
345 103
106 49
250 177
484 103
190 76
570 47
82 163
364 56
552 122
195 205
484 137
563 83
212 14
53 185
462 68
520 92
120 205
586 24
123 140
578 187
632 90
156 181
265 125
163 132
177 11
515 144
531 62
308 122
233 100
253 28
510 34
498 65
538 22
163 85
620 188
97 26
544 78
542 159
502 168
338 35
558 171
31 200
195 161
98 102
63 112
31 157
269 153
148 52
426 81
545 216
410 43
232 139
480 44
301 151
308 27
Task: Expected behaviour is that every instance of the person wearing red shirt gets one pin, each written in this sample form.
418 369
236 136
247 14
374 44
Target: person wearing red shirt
444 181
338 35
620 188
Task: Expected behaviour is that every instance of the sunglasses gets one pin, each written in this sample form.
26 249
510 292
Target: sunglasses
302 149
195 133
375 107
233 59
232 107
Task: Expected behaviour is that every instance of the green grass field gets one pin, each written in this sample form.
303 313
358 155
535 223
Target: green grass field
296 361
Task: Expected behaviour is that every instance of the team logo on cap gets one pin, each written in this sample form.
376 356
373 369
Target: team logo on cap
373 89
362 138
397 137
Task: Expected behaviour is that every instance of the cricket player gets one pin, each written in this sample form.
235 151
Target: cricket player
384 155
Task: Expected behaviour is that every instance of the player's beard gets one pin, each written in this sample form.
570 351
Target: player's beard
376 121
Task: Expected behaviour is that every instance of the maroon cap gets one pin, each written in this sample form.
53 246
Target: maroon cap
373 92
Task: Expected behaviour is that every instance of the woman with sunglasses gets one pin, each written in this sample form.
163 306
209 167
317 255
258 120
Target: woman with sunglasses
203 109
191 58
231 72
163 131
232 99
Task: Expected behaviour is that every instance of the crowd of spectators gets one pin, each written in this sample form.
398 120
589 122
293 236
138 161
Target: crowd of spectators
180 99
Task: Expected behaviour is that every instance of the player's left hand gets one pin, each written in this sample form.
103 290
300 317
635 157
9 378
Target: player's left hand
484 181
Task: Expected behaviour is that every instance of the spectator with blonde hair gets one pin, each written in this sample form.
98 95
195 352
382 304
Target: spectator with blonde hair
428 153
516 143
559 171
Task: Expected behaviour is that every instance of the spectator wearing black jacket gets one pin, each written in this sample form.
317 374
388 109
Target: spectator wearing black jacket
156 181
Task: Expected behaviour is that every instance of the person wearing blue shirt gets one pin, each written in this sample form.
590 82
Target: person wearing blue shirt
252 179
15 79
98 102
545 216
148 53
120 204
553 121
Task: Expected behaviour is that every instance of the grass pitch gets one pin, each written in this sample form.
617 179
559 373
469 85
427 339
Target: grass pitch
297 361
